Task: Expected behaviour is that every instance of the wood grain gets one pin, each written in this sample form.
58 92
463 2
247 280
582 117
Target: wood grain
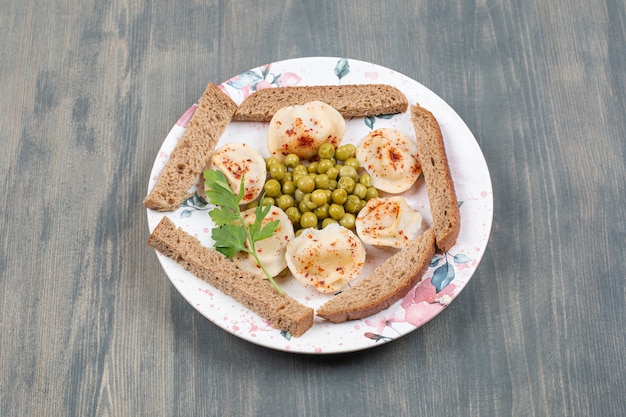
89 323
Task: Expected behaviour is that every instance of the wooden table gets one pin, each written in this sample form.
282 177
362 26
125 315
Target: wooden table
90 324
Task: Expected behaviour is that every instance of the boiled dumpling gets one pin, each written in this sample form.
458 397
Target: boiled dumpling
326 259
390 157
301 129
238 160
388 221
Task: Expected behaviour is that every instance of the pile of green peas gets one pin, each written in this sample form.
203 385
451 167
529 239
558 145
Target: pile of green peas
328 189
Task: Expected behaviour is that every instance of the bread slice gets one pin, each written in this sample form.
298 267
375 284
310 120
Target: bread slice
439 185
391 281
188 159
254 292
349 100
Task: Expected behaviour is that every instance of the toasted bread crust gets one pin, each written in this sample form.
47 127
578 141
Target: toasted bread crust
439 184
349 100
188 159
391 281
252 291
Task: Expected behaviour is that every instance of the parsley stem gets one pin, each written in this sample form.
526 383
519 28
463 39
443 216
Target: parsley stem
267 274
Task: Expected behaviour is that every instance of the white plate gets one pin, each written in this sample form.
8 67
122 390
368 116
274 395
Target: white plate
450 272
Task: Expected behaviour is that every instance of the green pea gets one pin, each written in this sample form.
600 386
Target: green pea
339 196
322 181
333 173
371 193
252 204
324 165
292 160
299 232
272 188
303 207
348 171
297 175
360 190
347 183
329 194
348 220
287 177
319 197
336 211
271 161
332 184
306 184
322 211
289 187
366 180
308 219
306 204
351 162
300 169
352 204
342 153
313 167
326 150
277 171
327 221
285 201
269 201
293 214
309 202
298 195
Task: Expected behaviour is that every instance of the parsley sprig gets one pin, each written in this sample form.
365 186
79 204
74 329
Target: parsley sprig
231 233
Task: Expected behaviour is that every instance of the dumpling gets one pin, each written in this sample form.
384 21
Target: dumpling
388 221
301 129
327 259
391 159
238 160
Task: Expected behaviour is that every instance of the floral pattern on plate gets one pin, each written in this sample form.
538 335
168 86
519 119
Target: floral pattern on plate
448 273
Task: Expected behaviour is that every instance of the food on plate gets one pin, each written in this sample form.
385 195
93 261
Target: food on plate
238 160
349 100
253 291
391 158
232 233
271 250
391 281
439 185
323 199
388 221
327 190
189 158
326 259
301 129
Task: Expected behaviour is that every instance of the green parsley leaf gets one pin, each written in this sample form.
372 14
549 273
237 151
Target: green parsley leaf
229 239
219 192
222 216
267 231
231 235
